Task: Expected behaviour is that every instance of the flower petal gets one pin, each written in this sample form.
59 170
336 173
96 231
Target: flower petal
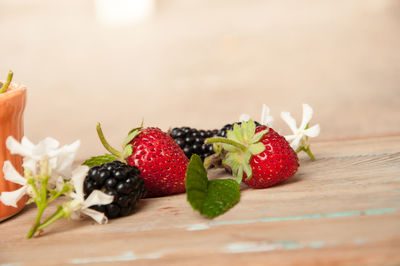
244 118
290 121
64 159
12 175
290 137
97 216
44 148
31 164
296 142
97 197
11 198
78 176
17 148
312 131
266 118
307 115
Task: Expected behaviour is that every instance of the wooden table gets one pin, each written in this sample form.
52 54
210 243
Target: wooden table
344 208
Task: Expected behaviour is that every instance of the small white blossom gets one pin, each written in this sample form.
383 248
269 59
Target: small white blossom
300 135
266 118
60 159
11 198
244 118
78 206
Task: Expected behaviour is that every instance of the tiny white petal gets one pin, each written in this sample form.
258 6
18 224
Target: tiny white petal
312 131
290 121
97 197
307 115
17 148
296 142
97 216
27 144
64 159
78 176
11 198
31 164
12 175
244 118
290 137
266 118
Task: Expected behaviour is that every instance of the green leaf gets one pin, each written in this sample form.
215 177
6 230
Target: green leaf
257 137
98 160
210 198
256 148
131 135
128 150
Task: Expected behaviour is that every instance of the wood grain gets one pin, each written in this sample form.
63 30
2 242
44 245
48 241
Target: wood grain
342 209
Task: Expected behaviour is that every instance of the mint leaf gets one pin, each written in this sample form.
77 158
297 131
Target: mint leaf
210 198
98 160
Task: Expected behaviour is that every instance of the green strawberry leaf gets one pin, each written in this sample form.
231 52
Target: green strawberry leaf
210 198
128 150
131 135
98 160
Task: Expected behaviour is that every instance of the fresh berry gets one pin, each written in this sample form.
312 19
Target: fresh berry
259 157
119 180
161 161
191 141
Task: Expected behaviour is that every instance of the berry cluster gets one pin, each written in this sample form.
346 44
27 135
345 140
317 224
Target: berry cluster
119 180
191 140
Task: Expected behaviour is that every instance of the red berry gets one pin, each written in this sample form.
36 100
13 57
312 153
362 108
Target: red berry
276 163
161 162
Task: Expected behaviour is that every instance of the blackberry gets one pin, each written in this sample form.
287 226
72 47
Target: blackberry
119 180
222 131
191 140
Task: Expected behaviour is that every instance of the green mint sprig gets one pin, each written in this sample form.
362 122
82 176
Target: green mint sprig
210 197
99 160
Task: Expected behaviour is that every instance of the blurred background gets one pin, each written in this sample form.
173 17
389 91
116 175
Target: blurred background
202 63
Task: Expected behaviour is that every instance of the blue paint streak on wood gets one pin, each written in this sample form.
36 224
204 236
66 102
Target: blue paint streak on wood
307 217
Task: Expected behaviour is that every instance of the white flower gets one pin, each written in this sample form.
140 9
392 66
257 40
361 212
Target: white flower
78 206
11 198
266 118
60 159
244 118
301 134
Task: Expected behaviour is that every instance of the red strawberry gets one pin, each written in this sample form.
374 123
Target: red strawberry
161 161
259 156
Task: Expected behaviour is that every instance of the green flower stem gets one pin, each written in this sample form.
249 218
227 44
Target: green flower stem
59 209
62 191
57 215
307 150
8 81
226 141
106 144
34 228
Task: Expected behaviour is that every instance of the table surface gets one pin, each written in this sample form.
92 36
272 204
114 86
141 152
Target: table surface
343 208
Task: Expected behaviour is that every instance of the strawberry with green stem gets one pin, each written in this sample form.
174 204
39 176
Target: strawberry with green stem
258 156
161 161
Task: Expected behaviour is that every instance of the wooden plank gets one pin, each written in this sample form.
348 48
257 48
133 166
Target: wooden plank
343 208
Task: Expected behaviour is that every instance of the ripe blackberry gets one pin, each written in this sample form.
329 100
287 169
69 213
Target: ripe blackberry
191 140
119 180
222 131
